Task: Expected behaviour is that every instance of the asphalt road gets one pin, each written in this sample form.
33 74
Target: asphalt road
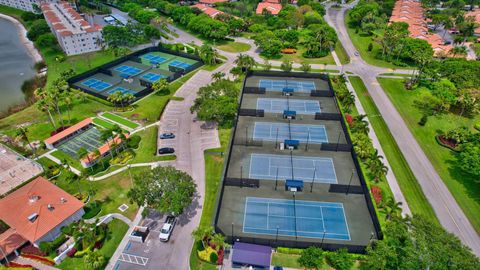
446 208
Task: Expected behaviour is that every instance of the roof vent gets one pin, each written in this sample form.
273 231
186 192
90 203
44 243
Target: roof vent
33 198
33 217
50 207
63 200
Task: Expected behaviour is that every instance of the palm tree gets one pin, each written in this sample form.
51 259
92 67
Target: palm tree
22 134
160 85
362 146
286 66
43 105
376 166
360 124
245 62
208 54
305 67
267 65
94 260
83 153
217 76
68 99
115 97
218 240
106 136
348 101
129 98
203 233
392 209
72 178
97 155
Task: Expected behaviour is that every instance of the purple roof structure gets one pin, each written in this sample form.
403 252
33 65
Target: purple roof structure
250 254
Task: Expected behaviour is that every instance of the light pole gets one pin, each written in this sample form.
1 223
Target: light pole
350 182
232 231
313 178
276 179
323 238
276 237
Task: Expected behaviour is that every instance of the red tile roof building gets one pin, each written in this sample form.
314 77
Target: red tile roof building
74 34
36 212
212 12
27 5
55 139
411 12
271 6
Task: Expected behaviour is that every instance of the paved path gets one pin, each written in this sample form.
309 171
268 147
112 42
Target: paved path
58 161
446 208
124 168
36 264
109 217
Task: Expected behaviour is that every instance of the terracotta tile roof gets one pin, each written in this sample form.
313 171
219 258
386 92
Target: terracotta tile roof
274 9
212 12
69 130
103 149
35 198
411 12
10 240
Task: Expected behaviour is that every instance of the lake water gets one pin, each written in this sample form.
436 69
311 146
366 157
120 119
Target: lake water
16 66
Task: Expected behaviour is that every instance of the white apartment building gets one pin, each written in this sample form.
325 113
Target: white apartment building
74 34
27 5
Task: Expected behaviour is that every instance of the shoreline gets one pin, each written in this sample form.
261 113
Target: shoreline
22 33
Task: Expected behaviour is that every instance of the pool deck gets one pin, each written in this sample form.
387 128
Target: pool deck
232 205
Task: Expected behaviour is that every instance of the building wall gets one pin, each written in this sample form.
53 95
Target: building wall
26 5
55 232
80 43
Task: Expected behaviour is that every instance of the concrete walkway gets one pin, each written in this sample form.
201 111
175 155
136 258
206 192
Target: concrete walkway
124 168
36 264
109 217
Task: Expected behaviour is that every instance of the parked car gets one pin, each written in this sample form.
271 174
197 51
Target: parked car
167 228
167 135
166 150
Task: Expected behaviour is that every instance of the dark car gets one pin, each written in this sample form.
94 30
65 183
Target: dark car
167 135
166 150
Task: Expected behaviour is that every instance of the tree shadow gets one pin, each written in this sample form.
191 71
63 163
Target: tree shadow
190 211
471 185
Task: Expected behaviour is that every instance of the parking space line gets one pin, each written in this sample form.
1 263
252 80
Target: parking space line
133 259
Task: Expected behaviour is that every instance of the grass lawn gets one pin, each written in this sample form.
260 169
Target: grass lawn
234 47
120 120
298 58
74 162
147 149
341 53
361 41
463 187
111 192
102 123
286 260
213 174
412 191
150 108
116 231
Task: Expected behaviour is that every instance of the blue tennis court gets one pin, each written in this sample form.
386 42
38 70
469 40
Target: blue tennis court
96 84
122 90
271 167
179 64
308 219
156 59
153 77
132 71
278 105
270 131
279 85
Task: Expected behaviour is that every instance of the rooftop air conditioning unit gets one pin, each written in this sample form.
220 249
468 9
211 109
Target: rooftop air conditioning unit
33 217
63 200
50 207
33 198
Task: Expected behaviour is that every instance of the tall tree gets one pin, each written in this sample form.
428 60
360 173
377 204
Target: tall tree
22 134
164 188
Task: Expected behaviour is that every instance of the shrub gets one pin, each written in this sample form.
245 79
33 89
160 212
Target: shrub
92 209
311 257
213 257
340 259
377 194
423 120
370 47
477 126
204 255
134 141
68 230
349 119
199 246
45 247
